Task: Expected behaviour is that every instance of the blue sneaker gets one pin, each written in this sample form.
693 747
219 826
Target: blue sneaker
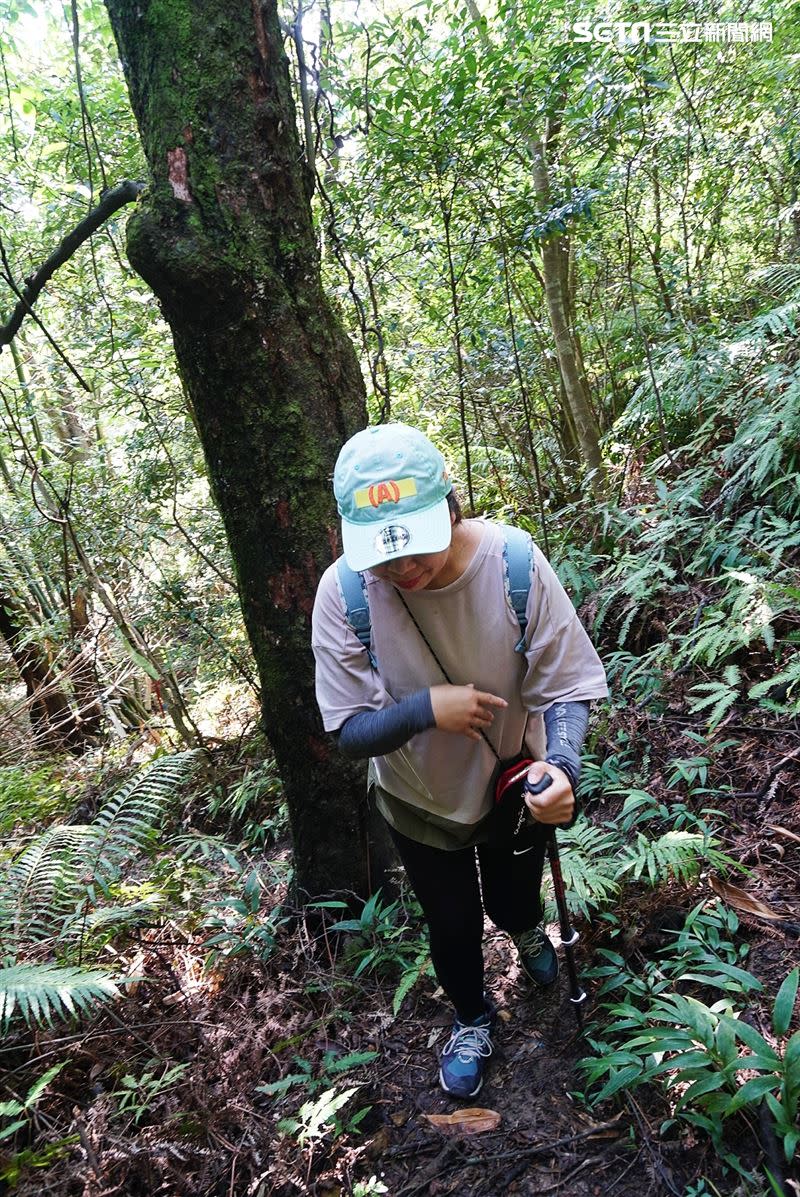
465 1055
537 956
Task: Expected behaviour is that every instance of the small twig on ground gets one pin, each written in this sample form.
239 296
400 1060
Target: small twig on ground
663 1172
771 776
552 1145
91 1155
565 1179
422 1184
618 1179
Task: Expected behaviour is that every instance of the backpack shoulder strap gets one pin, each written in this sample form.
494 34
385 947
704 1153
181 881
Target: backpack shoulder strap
353 593
518 563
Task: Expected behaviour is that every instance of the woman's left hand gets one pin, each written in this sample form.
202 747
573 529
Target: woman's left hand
556 804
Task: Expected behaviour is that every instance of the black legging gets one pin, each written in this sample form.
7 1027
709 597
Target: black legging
447 889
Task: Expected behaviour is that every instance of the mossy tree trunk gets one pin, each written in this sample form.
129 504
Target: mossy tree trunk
224 237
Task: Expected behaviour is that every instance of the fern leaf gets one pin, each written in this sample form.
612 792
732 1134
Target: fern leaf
781 278
39 991
127 822
51 883
589 867
43 885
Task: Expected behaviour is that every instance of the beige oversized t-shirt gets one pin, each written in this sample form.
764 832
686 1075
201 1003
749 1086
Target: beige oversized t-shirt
436 787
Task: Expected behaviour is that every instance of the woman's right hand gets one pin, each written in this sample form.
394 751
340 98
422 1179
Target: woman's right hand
464 709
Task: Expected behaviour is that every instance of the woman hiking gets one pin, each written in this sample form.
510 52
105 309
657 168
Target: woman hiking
442 691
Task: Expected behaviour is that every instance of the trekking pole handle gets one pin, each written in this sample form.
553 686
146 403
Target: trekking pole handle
535 787
538 787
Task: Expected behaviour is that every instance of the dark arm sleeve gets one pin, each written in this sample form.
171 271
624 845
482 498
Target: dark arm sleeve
374 733
565 726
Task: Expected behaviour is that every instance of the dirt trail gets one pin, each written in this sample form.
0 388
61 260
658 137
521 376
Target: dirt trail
545 1141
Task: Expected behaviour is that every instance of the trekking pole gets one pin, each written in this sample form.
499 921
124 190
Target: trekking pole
569 936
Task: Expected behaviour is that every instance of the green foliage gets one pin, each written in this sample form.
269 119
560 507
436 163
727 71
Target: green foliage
590 866
12 1166
28 796
654 1032
369 1188
59 891
384 939
11 1109
127 823
52 885
330 1067
674 854
41 992
651 841
719 696
43 886
781 692
247 929
253 806
135 1095
379 937
319 1118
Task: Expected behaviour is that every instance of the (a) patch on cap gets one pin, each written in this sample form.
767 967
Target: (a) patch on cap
391 539
390 491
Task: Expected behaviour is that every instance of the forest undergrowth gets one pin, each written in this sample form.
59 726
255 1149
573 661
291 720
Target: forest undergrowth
173 1022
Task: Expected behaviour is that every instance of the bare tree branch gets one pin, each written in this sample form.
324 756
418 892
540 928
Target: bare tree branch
111 201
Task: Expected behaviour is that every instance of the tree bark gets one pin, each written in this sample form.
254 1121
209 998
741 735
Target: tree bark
224 237
558 307
51 716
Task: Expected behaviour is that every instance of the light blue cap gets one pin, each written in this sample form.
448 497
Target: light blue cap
391 485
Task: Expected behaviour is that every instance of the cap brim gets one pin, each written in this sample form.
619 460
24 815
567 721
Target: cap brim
366 545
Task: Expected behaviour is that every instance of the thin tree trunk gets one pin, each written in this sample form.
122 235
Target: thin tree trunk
85 681
558 308
556 274
224 237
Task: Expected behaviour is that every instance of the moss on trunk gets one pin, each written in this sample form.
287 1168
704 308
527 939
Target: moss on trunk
224 237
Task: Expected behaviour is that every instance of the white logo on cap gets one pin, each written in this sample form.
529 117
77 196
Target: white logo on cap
391 539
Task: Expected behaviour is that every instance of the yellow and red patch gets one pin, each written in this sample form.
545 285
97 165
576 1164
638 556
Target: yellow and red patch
390 491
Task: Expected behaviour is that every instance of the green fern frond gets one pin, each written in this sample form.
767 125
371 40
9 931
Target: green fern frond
44 883
40 991
719 695
51 886
589 867
113 919
126 824
781 278
135 912
788 680
676 853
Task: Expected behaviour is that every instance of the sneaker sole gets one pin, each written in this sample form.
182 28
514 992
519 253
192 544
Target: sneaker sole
462 1096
